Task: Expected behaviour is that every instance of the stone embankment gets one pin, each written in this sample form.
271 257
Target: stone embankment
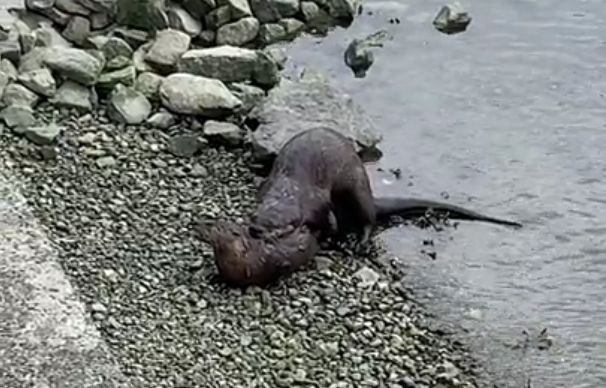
127 120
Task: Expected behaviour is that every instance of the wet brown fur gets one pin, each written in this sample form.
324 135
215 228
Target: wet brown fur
318 187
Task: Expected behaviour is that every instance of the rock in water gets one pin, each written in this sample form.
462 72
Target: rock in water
231 64
296 106
40 81
196 95
43 135
127 105
358 56
452 19
74 64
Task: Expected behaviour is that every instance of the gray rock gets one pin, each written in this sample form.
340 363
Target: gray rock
118 63
366 277
162 120
33 60
24 34
74 64
278 55
310 10
100 20
196 95
73 95
49 37
15 94
452 19
77 30
295 106
59 17
18 116
271 33
96 42
199 8
180 19
269 11
344 10
5 78
239 8
39 5
238 33
147 15
127 105
250 96
125 76
9 69
135 38
223 132
218 17
139 58
99 5
10 49
43 135
115 47
207 38
106 161
184 146
167 48
40 81
149 83
292 26
72 7
231 64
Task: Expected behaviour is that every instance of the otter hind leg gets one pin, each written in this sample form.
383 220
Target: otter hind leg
356 206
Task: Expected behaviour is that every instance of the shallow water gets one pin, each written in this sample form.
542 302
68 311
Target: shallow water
509 119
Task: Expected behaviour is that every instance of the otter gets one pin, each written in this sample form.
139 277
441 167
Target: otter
317 188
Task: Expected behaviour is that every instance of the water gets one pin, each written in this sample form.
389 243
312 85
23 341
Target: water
508 118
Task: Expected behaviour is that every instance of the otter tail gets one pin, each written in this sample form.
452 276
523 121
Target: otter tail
412 207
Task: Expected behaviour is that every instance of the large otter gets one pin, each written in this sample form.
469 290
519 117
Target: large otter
318 187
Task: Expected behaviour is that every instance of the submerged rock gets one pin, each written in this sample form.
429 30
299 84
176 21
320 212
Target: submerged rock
295 106
452 19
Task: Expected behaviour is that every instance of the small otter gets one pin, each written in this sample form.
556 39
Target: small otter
318 187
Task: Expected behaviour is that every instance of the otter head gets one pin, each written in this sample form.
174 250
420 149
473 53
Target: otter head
246 254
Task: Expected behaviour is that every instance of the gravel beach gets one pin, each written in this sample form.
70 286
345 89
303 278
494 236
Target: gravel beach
125 122
122 230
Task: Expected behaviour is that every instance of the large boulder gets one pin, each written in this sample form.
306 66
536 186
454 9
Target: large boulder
195 95
231 64
298 105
